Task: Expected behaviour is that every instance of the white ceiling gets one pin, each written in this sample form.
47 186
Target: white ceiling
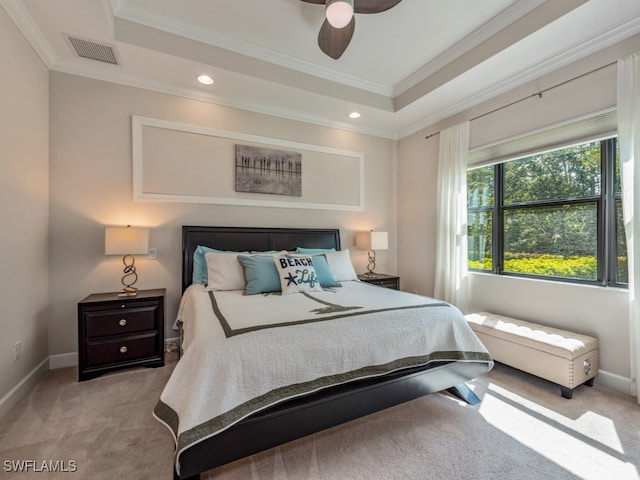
405 69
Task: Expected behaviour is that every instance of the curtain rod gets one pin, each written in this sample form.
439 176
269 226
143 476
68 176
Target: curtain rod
538 94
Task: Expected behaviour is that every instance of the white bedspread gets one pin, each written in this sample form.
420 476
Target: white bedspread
245 353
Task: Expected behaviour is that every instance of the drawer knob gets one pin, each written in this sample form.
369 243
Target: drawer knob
122 322
123 349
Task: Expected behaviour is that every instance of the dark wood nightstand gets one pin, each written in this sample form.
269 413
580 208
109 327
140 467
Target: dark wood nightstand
116 332
383 280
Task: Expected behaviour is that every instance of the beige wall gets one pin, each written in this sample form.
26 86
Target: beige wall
91 186
24 208
594 310
417 186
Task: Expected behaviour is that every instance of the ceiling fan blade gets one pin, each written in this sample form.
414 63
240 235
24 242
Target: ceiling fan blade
334 41
317 2
371 6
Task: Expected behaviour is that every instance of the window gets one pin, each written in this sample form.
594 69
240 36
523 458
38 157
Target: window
554 214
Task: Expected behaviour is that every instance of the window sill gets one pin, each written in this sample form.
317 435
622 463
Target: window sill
543 281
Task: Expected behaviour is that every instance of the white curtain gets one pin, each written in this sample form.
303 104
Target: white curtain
629 150
451 224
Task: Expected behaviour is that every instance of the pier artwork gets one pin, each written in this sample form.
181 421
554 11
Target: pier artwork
265 170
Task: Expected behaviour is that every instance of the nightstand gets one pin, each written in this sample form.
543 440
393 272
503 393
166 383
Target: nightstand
383 280
116 332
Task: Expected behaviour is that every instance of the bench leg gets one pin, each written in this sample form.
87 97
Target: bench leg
566 392
589 383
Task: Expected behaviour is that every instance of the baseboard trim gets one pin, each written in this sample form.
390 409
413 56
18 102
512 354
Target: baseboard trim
613 382
52 362
63 360
16 394
171 344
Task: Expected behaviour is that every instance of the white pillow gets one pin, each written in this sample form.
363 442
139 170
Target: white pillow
297 274
224 271
340 266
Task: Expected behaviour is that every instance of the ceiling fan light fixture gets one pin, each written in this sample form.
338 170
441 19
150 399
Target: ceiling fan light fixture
339 12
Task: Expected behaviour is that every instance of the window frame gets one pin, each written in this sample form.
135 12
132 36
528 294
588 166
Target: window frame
606 235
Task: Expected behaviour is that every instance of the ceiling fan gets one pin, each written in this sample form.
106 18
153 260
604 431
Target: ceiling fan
339 24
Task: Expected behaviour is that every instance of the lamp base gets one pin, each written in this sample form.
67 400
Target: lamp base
128 292
370 275
371 266
129 271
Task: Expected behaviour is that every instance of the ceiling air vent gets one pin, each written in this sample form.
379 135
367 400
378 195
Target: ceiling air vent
93 50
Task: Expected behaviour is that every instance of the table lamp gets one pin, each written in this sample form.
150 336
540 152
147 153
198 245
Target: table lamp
372 241
127 241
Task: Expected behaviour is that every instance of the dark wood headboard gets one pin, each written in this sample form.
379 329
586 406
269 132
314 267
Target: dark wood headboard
251 238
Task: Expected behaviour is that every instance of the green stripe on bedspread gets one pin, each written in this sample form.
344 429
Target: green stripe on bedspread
168 415
350 311
227 419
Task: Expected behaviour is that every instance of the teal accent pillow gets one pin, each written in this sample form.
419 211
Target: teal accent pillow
200 264
325 277
314 251
322 271
260 273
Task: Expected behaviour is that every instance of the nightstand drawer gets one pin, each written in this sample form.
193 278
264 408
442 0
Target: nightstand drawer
384 283
122 350
382 280
123 321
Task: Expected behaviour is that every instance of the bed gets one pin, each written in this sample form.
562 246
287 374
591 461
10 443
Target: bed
213 426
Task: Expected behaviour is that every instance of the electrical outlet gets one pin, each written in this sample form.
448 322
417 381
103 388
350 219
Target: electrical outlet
153 254
18 349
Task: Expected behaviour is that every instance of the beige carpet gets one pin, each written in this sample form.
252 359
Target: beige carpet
522 430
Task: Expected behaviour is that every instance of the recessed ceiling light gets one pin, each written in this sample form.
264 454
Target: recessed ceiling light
354 115
205 79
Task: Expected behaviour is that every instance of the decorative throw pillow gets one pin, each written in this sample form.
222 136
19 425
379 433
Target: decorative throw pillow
322 270
314 251
224 272
260 273
200 274
200 264
297 274
340 266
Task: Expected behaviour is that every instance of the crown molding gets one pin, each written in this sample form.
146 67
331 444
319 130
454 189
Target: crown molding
115 75
571 55
134 14
486 31
25 23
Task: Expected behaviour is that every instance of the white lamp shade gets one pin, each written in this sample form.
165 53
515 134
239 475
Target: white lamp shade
372 240
126 241
379 240
339 12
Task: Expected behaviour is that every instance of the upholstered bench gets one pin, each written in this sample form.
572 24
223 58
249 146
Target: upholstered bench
566 358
